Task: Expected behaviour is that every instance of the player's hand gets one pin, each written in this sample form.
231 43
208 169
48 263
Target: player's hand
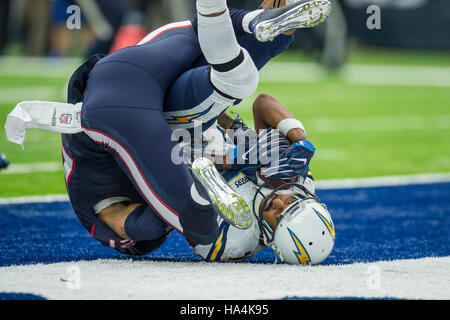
255 150
294 161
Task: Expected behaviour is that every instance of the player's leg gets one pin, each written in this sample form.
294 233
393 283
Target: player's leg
228 73
140 142
122 113
260 52
233 73
274 21
95 184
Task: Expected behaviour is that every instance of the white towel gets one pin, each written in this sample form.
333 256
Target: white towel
52 116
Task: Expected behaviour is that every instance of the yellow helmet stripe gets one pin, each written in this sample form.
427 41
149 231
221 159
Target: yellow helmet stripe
301 253
327 223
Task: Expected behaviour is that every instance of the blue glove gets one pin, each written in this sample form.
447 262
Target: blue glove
294 161
256 150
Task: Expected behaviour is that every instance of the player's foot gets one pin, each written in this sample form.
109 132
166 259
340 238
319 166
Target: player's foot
227 203
4 162
303 14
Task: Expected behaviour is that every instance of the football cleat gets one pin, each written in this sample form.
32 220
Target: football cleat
4 162
227 203
303 14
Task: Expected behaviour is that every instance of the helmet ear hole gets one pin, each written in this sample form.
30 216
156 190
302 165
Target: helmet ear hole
310 243
323 232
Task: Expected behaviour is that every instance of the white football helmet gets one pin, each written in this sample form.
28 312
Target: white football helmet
305 232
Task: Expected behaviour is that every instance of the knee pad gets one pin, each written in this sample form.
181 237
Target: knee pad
239 82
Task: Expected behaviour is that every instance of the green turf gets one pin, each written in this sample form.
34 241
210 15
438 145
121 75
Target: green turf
375 130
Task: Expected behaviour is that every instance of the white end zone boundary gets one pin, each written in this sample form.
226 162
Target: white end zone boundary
384 181
424 278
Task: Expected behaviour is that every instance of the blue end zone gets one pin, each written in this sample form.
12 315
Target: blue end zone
19 296
372 224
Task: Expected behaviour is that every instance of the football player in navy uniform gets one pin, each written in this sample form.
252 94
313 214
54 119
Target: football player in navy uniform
120 176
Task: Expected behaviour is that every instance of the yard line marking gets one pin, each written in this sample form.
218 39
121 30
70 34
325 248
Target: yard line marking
376 123
14 95
25 168
35 199
384 181
101 279
379 123
359 74
365 74
36 67
416 76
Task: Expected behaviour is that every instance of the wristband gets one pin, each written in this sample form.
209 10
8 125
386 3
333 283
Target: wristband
285 125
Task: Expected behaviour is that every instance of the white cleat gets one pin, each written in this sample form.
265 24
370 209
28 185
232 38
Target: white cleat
273 22
228 204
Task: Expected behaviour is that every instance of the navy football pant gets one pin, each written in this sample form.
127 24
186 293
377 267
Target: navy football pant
128 152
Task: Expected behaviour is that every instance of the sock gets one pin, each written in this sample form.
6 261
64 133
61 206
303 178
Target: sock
217 39
197 198
237 17
206 7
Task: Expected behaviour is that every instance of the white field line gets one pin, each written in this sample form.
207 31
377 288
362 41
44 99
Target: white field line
26 168
379 123
366 74
320 185
384 181
36 199
375 123
14 95
111 279
35 67
388 75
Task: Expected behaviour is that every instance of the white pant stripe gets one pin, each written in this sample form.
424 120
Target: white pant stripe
152 35
68 164
165 212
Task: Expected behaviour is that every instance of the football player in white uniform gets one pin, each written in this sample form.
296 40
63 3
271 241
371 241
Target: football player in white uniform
288 216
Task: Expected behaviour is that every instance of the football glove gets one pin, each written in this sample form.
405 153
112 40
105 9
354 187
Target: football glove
258 149
294 161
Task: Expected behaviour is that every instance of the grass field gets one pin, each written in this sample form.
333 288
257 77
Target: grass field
385 113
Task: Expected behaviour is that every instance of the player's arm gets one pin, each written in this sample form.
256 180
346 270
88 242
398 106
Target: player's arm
268 112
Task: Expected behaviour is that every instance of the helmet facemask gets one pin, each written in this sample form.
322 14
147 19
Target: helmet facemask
302 194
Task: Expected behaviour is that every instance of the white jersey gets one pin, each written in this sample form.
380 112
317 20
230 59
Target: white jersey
234 244
206 113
